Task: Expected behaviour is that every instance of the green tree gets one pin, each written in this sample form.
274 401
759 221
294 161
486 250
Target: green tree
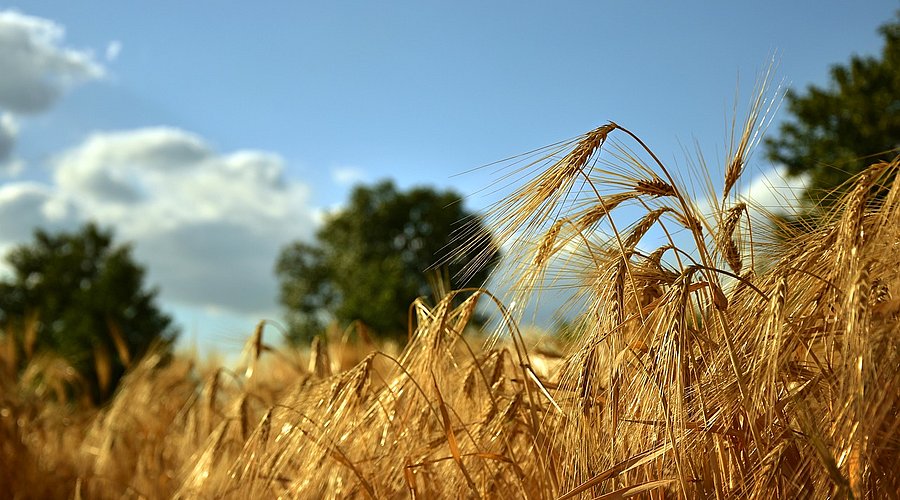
837 131
369 260
88 300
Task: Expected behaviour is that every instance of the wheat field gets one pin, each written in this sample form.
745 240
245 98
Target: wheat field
717 353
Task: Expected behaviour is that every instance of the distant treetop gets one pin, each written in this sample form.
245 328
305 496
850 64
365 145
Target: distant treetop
837 131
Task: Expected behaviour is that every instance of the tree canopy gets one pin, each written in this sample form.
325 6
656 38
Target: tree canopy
837 131
369 260
87 302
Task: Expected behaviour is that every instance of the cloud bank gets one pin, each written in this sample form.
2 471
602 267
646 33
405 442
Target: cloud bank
35 70
774 191
207 225
36 67
8 131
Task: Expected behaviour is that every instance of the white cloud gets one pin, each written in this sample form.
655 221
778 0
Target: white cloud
25 206
113 49
774 191
218 265
8 131
208 226
770 191
347 176
36 68
114 168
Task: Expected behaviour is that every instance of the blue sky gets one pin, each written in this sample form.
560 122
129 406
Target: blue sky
212 133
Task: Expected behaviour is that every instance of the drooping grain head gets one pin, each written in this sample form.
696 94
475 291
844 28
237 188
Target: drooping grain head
727 245
655 187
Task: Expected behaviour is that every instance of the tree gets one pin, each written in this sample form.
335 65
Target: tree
838 131
369 260
88 303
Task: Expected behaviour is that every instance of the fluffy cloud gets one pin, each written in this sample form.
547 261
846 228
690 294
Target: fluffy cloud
25 206
769 191
207 225
118 167
774 191
217 265
35 67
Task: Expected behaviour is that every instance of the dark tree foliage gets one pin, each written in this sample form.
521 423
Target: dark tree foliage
838 131
89 302
369 260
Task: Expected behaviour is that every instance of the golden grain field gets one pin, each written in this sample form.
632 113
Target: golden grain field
712 357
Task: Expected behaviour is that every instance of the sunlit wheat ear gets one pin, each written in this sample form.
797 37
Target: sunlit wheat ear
212 397
319 360
536 199
534 263
640 229
588 381
690 222
252 351
546 246
622 274
762 112
528 209
601 209
727 245
850 234
655 187
773 343
892 198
